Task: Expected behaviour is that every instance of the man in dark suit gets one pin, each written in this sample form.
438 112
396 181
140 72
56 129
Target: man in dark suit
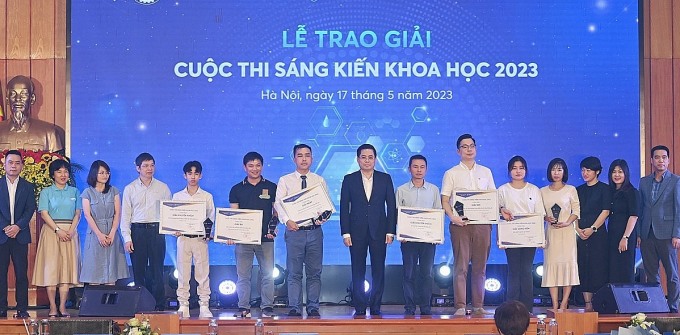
368 220
660 223
17 206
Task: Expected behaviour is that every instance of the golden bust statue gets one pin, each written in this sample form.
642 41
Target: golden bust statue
19 131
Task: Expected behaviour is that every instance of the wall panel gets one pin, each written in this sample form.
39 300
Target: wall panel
42 29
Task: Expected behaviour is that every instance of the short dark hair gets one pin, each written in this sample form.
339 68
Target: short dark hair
251 156
14 152
520 159
193 164
366 146
592 163
94 172
143 157
462 137
563 164
300 146
660 147
414 157
626 174
58 164
512 318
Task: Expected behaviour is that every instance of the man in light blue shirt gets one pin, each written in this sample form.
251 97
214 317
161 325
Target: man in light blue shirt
419 194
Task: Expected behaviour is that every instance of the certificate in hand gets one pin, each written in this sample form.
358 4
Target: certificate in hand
244 226
420 225
185 217
480 207
307 204
524 231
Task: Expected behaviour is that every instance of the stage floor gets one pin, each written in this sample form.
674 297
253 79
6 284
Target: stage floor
337 320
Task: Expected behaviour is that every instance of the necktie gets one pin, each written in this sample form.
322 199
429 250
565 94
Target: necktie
304 182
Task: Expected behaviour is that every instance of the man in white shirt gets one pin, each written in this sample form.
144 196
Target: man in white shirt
471 243
139 227
194 246
304 240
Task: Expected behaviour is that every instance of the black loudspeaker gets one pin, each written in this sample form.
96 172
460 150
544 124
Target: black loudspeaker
71 327
630 299
115 301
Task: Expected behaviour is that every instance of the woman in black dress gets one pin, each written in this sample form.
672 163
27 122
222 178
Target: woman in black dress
621 226
593 244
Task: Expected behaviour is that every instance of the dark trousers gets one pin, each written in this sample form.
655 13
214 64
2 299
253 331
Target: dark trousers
520 276
654 250
149 251
19 254
358 252
413 253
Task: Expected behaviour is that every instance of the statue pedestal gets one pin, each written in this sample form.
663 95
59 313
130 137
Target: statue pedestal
37 296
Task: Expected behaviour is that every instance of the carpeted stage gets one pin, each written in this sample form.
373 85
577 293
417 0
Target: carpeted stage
339 320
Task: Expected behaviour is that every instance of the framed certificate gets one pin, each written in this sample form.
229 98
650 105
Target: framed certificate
480 207
307 204
185 217
244 226
525 230
420 225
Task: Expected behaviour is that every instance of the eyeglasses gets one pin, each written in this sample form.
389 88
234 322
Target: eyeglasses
105 173
465 146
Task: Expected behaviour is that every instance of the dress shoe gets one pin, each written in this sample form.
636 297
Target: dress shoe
22 315
409 312
375 313
359 313
294 312
313 313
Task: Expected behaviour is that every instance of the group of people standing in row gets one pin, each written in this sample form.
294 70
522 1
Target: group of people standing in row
590 242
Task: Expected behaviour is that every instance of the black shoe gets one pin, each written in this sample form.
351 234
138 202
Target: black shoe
425 312
22 315
3 314
294 312
359 313
313 313
409 312
375 313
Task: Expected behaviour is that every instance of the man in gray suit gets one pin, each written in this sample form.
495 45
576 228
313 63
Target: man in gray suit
660 224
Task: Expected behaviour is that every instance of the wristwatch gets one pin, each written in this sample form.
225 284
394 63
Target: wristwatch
594 229
56 230
626 237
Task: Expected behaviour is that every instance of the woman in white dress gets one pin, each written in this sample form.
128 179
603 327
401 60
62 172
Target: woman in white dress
562 206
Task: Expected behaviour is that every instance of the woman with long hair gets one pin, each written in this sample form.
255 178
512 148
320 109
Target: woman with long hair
622 220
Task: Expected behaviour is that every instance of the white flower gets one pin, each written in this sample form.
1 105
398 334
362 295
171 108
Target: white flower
134 322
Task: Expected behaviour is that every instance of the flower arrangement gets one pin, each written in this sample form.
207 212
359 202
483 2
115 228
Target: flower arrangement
135 326
36 167
640 326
